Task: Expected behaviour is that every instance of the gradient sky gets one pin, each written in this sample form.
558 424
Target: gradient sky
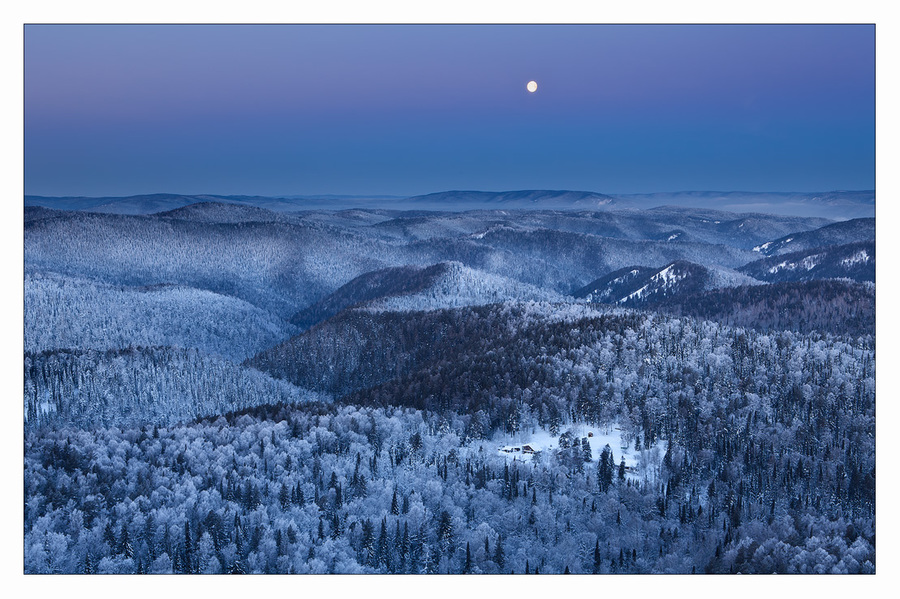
405 110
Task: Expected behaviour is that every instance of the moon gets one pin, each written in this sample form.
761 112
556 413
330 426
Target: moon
531 86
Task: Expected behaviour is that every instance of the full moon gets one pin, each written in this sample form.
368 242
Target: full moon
532 86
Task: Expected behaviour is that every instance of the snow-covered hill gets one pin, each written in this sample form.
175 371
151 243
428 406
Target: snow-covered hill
368 287
854 261
458 285
642 285
851 231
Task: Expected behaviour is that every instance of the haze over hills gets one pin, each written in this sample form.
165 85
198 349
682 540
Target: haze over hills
836 205
160 202
283 262
533 199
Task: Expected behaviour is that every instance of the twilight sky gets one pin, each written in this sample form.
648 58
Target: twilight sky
411 109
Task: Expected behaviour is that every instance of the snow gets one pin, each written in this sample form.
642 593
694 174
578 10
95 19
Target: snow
810 262
666 275
671 237
778 267
762 247
624 277
665 278
860 257
637 294
489 230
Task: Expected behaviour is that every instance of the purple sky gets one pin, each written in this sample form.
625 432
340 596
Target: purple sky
269 110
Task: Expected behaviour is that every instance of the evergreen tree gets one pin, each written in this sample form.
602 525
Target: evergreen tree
499 558
188 551
125 547
467 567
605 469
335 526
367 545
381 546
445 530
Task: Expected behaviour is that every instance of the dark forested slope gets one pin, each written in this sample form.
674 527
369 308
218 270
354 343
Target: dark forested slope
829 306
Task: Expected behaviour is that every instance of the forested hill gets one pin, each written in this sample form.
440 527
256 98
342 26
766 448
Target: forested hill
827 306
851 261
851 231
548 361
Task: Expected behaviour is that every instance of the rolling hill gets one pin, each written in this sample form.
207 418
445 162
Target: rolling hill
854 261
850 231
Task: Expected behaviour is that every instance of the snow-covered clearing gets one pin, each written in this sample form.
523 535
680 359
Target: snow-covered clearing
639 464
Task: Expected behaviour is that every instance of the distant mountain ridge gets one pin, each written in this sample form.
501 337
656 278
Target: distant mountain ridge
543 199
163 202
835 205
